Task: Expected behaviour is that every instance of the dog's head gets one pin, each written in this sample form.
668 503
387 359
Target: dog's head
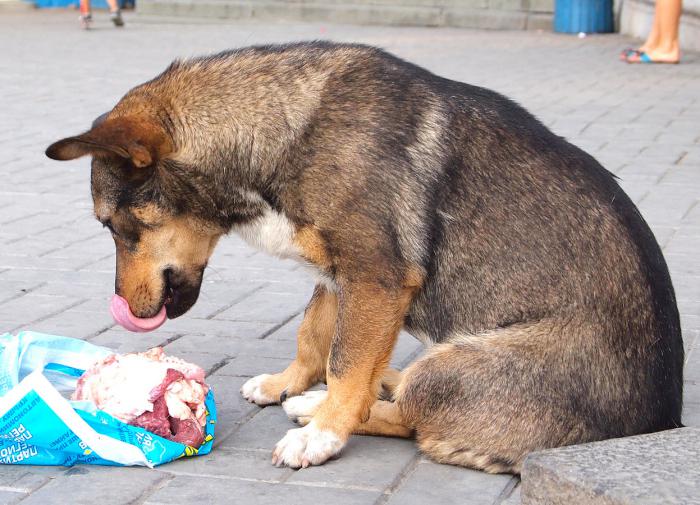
146 202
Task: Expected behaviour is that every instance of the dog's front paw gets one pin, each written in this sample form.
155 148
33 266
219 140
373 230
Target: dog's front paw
301 409
302 447
253 391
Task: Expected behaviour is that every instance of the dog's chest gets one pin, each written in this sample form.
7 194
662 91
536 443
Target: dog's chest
273 233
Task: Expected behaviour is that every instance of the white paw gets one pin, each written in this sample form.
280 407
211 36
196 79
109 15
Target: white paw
252 390
304 405
302 447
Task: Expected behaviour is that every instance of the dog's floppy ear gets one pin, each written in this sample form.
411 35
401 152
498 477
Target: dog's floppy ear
140 140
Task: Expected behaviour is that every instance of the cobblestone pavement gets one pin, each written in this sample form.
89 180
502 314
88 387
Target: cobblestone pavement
57 263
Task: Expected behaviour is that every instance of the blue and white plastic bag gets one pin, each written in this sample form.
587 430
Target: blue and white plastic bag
39 426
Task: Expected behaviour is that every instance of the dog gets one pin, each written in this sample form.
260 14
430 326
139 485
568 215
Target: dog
419 203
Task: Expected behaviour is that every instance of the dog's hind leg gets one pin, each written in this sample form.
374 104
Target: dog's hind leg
486 401
384 418
300 408
390 381
309 366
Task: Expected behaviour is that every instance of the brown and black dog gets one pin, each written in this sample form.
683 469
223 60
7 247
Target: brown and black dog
420 203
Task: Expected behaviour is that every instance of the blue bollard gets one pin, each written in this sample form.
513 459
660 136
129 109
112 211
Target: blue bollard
587 16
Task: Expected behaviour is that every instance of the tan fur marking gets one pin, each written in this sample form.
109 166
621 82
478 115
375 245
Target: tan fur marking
137 137
313 247
391 380
149 214
102 209
385 420
415 276
176 243
313 344
370 320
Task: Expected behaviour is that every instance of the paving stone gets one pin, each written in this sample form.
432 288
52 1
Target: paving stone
288 331
267 307
205 350
514 498
691 415
691 393
644 470
187 490
217 327
262 431
71 324
250 366
14 289
235 464
231 408
368 462
208 342
84 484
10 497
266 348
24 479
406 350
122 341
448 485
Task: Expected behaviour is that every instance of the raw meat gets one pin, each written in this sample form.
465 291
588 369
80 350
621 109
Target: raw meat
162 394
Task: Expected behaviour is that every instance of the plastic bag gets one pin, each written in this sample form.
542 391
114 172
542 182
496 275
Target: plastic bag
39 426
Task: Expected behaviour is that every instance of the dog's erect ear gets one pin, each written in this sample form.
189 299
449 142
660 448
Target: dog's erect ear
140 140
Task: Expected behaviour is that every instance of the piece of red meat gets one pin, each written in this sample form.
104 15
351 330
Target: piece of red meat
157 421
171 375
187 431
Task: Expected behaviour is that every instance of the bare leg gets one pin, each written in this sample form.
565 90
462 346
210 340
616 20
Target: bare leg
669 14
85 16
662 44
116 14
653 38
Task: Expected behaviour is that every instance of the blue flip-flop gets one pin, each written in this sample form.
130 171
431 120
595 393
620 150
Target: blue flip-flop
642 57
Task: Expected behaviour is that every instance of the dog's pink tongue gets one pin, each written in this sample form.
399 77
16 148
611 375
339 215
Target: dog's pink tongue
122 315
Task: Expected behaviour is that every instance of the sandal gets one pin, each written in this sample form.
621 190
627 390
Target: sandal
626 53
85 20
117 18
643 57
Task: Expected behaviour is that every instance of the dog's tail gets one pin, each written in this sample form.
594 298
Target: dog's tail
486 401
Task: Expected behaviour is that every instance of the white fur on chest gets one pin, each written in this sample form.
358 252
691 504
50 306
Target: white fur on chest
273 233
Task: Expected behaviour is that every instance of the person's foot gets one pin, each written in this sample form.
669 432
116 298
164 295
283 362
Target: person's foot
629 51
117 19
85 20
654 56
